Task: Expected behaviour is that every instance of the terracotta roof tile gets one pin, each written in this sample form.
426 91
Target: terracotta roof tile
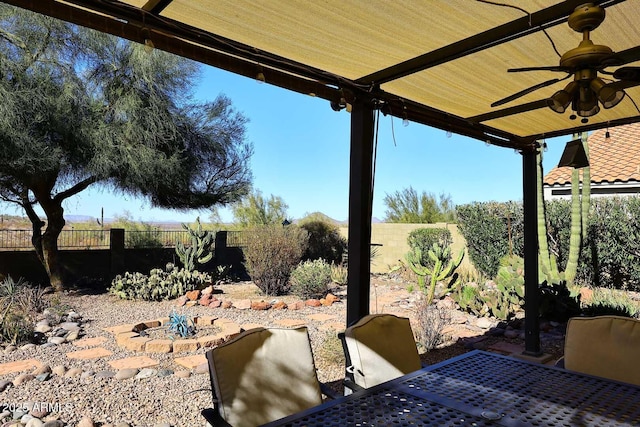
616 160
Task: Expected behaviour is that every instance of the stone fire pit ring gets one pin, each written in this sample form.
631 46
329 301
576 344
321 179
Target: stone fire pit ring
132 337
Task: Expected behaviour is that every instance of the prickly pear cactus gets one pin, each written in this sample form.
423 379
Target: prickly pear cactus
508 298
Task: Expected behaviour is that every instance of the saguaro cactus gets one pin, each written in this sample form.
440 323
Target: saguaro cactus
437 271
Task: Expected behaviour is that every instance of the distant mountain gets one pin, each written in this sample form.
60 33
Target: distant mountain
79 218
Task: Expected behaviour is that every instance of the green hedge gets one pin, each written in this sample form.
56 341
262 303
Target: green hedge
491 230
424 238
609 255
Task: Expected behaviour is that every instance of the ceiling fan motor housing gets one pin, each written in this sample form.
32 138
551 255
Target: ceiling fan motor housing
584 19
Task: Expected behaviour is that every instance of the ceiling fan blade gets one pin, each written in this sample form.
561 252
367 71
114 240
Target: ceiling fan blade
631 74
526 91
624 84
547 68
623 57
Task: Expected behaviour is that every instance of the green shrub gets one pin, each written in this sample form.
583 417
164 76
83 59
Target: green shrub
424 239
611 302
492 230
310 279
160 285
271 253
325 241
339 274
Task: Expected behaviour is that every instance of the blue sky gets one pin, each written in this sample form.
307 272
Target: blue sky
302 155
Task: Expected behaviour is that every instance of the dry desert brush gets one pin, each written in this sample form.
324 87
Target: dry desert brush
20 304
271 253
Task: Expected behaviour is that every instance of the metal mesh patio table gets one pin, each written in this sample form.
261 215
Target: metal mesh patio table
482 389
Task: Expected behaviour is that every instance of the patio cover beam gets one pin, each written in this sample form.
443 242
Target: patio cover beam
528 24
130 26
156 6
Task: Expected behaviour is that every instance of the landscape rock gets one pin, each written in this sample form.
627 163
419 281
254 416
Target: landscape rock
227 304
331 298
4 384
43 328
27 347
35 422
54 423
260 305
146 373
181 301
72 336
72 316
87 374
43 376
73 372
313 302
183 374
484 323
57 340
42 370
23 378
164 372
59 370
206 299
215 303
26 418
105 374
279 305
70 326
193 295
124 374
243 304
86 422
296 305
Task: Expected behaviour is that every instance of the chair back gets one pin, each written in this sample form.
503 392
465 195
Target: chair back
263 375
380 347
605 346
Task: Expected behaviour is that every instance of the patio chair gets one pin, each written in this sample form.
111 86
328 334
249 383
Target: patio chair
604 346
378 348
262 375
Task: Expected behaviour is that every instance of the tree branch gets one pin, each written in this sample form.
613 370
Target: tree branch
82 185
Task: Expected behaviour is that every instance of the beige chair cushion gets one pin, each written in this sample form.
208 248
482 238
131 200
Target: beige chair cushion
605 346
263 375
381 347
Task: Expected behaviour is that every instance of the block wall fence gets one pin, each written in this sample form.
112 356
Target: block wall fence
393 238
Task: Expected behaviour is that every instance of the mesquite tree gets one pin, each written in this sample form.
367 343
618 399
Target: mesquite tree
81 108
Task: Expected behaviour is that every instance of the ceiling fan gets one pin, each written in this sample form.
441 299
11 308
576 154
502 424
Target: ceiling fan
586 92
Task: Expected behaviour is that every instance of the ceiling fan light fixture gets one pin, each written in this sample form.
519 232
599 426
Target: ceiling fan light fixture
586 103
562 98
609 96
